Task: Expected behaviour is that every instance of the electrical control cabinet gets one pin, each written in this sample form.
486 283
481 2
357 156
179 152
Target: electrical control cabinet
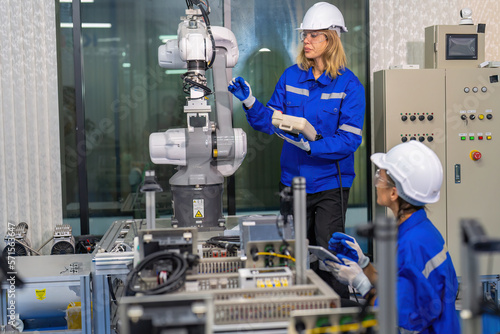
455 112
454 46
410 105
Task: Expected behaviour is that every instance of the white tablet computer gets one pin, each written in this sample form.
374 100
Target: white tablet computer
323 254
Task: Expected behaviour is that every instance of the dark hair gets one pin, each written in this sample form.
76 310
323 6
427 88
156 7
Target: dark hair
404 206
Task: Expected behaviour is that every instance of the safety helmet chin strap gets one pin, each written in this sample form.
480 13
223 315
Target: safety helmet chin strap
402 194
337 29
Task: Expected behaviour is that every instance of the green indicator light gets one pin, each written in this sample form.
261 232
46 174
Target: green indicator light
463 138
471 138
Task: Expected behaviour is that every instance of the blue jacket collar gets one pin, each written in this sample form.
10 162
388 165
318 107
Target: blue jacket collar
309 76
415 219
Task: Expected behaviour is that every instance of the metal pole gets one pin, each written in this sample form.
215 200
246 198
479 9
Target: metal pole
150 203
150 210
83 193
385 235
470 287
300 225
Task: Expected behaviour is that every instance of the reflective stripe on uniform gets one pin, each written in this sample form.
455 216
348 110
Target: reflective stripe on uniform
301 91
326 96
405 331
435 262
351 129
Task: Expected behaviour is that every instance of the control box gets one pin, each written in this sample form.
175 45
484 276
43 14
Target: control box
280 277
454 111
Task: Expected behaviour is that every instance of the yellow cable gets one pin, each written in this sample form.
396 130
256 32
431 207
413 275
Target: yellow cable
342 328
277 255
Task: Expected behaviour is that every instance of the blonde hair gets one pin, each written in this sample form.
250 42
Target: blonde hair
333 57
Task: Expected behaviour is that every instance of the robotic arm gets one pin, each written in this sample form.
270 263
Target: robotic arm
206 151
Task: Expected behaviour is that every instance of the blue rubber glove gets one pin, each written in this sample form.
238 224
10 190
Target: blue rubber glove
298 140
242 90
349 273
344 244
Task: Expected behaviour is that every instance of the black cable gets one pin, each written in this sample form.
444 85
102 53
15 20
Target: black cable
205 13
341 195
364 309
174 282
230 238
281 230
207 91
354 293
231 243
112 292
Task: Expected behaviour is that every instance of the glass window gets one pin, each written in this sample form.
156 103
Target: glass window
128 96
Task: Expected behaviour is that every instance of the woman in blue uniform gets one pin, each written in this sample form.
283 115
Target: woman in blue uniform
408 178
321 89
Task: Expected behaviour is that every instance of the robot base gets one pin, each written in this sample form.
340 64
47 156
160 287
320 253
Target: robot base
198 206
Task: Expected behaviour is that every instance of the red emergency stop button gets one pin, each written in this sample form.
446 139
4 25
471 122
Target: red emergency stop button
475 155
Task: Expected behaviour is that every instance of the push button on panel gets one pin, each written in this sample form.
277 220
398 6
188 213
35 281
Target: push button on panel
475 155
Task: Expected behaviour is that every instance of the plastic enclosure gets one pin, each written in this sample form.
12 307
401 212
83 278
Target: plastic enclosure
294 125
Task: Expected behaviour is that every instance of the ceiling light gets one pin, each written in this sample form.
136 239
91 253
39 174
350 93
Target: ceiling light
86 25
82 1
175 71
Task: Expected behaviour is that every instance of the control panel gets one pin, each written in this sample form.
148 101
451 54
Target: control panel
454 112
410 105
472 133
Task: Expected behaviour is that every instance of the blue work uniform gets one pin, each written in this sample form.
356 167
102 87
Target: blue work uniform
427 282
334 107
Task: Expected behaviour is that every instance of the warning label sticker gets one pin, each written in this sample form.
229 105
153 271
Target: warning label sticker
41 294
198 208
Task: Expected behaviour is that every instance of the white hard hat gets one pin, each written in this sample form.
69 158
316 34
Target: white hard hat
415 169
323 15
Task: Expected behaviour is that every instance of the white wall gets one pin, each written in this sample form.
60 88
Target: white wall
30 172
397 28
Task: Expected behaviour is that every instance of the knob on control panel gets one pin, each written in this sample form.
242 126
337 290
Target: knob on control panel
430 118
404 118
421 117
464 117
412 118
475 155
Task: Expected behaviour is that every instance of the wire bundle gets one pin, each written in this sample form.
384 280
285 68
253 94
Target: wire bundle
231 243
168 283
